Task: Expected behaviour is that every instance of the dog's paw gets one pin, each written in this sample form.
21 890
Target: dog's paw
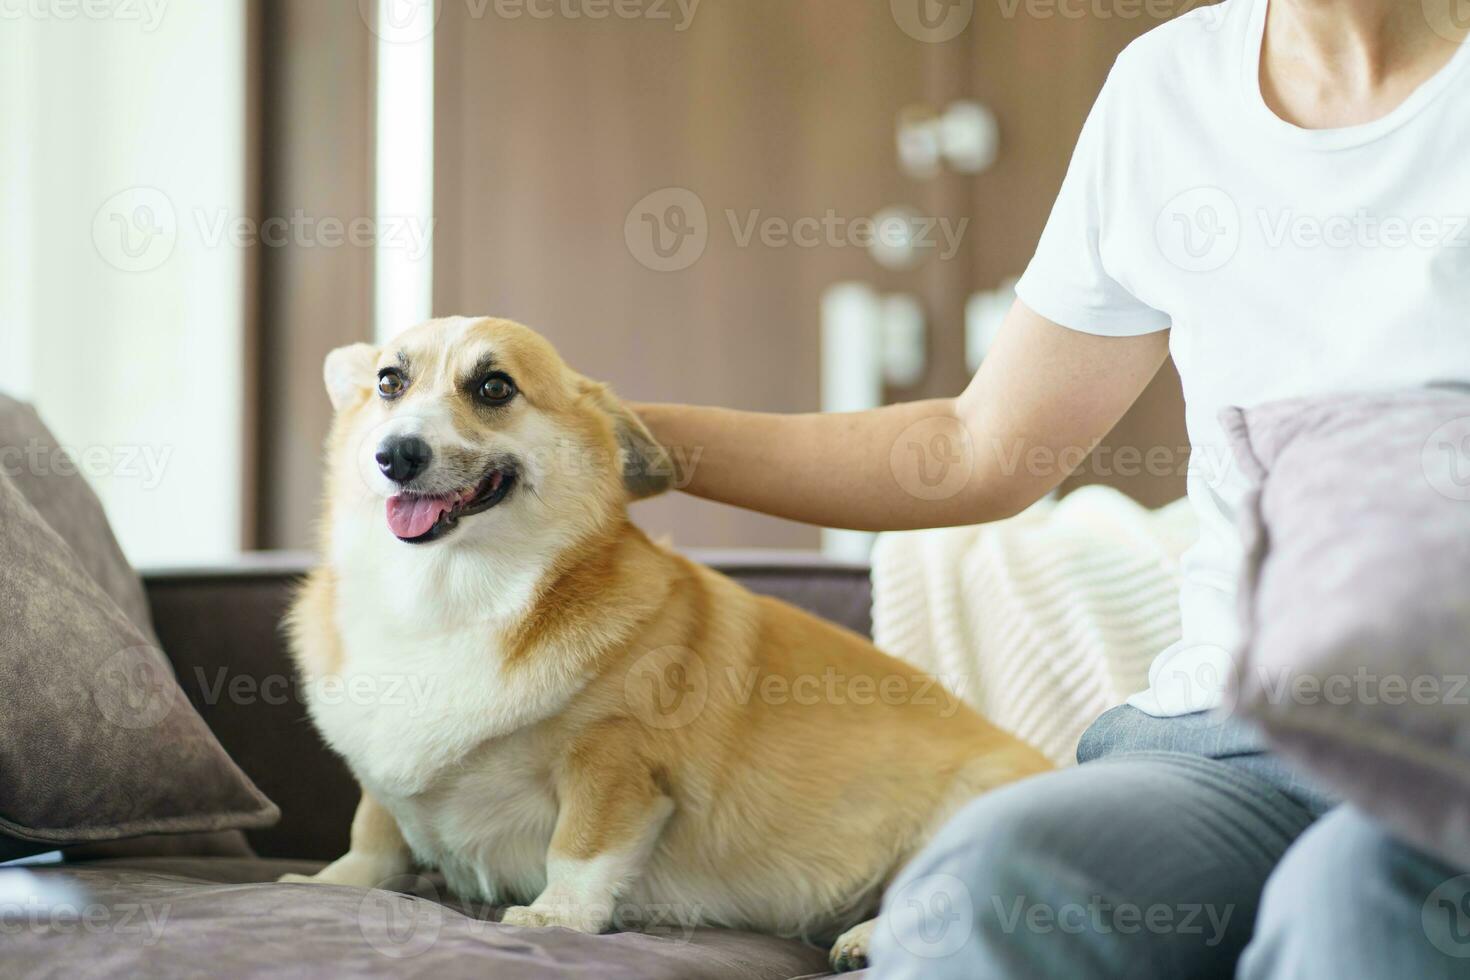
352 870
850 952
548 916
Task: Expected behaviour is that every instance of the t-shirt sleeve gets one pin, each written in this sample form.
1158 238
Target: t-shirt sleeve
1066 280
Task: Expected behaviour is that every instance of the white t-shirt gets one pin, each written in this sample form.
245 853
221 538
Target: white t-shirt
1286 262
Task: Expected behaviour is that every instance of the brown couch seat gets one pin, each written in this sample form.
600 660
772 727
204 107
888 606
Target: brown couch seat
227 917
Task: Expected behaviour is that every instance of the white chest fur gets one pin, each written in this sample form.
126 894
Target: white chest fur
487 824
423 679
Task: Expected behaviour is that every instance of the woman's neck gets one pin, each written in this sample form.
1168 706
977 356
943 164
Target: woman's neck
1332 63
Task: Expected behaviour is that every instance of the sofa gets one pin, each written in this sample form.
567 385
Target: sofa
210 904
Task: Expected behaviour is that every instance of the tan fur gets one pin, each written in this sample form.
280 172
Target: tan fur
773 811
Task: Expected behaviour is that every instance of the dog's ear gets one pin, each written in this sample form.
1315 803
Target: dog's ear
647 468
348 372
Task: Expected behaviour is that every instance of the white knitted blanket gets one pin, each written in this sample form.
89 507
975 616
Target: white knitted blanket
1041 622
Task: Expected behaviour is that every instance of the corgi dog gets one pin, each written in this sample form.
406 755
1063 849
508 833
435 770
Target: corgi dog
599 722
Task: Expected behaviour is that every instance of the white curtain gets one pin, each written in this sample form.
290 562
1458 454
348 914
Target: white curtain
122 175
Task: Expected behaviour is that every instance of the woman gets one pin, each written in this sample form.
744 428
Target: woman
1276 194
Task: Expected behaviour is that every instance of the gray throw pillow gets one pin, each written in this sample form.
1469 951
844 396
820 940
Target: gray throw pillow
1356 615
47 476
97 741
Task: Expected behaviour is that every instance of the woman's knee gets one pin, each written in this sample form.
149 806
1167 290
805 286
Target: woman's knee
989 840
1348 896
1091 871
954 905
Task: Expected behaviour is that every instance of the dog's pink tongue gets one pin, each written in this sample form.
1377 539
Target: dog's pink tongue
410 516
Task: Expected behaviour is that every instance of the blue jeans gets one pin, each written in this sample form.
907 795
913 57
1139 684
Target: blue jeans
1179 848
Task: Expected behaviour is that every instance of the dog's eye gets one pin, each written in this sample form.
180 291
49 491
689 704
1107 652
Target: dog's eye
497 389
390 383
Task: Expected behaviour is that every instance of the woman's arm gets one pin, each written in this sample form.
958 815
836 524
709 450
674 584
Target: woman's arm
1043 397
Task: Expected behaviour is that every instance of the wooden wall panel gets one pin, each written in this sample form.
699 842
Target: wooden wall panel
550 131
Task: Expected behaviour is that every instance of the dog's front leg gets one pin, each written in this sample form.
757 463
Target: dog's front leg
611 815
377 852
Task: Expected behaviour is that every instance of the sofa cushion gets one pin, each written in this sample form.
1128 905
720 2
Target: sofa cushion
220 917
97 741
1353 598
48 477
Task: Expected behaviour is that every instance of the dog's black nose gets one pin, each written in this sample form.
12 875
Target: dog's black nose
402 458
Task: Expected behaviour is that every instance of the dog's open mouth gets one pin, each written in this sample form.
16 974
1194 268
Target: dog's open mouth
419 518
